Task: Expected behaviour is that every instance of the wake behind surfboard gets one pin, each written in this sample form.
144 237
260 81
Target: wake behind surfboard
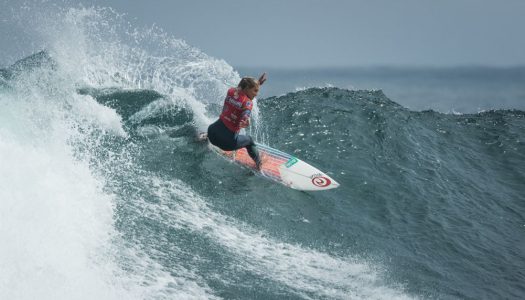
282 168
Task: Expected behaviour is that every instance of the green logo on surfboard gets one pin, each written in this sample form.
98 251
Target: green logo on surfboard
292 161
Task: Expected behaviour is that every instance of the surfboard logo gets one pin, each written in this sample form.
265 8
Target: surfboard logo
292 161
321 181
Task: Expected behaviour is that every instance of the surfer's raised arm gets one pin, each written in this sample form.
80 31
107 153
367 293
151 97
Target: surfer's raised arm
262 78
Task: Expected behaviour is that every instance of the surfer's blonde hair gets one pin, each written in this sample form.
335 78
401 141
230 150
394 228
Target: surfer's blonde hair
248 83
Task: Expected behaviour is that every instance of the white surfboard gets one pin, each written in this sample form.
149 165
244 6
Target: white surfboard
282 168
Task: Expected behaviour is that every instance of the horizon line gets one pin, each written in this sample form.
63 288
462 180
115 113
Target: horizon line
382 66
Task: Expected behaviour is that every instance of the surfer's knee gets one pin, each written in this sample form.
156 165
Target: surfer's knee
250 141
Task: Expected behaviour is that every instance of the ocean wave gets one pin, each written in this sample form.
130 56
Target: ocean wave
105 185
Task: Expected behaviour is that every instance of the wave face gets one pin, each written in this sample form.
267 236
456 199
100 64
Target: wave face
105 194
440 195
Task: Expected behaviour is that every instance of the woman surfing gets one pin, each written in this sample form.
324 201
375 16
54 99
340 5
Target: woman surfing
236 112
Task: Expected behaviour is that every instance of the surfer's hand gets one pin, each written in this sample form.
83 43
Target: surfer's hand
262 79
244 123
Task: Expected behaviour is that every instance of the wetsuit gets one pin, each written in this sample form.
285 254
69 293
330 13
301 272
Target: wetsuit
224 133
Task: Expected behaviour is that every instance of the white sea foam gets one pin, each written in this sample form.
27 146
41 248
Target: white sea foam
56 225
308 273
304 88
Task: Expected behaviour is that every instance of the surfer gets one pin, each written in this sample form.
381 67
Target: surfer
224 133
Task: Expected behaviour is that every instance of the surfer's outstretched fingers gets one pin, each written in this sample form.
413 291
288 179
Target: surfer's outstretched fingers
262 79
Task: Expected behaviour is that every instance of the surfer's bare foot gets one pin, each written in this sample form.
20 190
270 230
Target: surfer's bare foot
203 136
262 160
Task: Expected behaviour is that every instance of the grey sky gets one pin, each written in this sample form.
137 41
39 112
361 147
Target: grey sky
317 33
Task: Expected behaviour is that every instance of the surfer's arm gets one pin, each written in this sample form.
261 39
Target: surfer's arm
244 123
246 113
245 119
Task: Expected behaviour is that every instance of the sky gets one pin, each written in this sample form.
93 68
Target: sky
339 33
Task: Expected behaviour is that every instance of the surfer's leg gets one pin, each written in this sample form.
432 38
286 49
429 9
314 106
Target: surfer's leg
221 137
254 154
247 141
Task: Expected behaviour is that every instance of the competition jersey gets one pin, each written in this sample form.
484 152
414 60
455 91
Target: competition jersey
237 107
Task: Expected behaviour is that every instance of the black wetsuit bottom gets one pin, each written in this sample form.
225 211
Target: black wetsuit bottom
222 137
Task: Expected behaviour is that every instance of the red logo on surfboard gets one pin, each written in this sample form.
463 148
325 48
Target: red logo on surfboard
321 181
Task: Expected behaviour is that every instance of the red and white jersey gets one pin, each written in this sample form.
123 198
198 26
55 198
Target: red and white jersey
237 107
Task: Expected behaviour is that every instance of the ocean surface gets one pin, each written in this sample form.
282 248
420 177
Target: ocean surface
105 194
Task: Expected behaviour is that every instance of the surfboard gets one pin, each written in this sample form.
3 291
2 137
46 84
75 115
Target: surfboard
282 168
